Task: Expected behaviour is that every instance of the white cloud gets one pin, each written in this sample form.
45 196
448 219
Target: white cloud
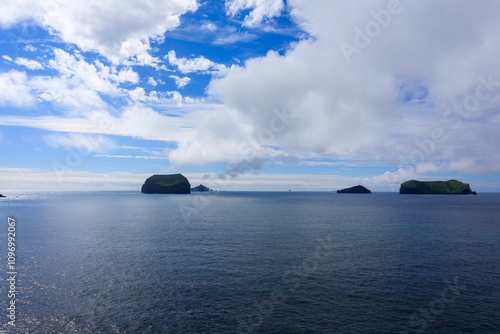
152 81
14 11
79 86
82 143
14 89
142 157
29 64
136 121
231 36
180 82
391 181
7 58
118 30
355 110
198 64
138 94
176 96
125 75
97 75
210 26
30 48
260 10
16 182
220 136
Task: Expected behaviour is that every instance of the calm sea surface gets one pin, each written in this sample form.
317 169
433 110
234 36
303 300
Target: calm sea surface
228 262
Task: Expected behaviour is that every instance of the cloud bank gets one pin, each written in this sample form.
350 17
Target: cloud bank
416 64
116 29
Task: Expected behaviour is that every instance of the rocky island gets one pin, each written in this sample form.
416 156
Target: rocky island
200 188
166 184
2 195
359 189
450 187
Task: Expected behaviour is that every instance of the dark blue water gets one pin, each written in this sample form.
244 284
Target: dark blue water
253 263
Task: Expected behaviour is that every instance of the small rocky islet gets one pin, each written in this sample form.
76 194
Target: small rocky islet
359 189
201 188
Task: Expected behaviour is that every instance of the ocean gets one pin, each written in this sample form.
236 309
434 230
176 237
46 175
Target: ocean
251 262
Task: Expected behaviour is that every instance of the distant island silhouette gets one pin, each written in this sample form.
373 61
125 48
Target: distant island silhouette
166 184
359 189
450 187
200 188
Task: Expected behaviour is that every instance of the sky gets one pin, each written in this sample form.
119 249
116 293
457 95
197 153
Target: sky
267 95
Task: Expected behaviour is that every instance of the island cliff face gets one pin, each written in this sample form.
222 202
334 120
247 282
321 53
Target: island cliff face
354 190
166 184
450 187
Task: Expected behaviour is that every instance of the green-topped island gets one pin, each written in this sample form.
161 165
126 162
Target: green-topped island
450 187
166 184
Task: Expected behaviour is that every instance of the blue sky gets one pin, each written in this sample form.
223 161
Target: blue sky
248 94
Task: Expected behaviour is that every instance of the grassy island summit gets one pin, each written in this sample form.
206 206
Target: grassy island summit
166 184
354 190
450 187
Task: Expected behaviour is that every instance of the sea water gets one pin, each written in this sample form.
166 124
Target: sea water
249 262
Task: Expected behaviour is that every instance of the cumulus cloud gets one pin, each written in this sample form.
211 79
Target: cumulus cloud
197 64
15 90
221 135
118 30
259 10
387 98
95 75
77 87
28 63
152 81
180 82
